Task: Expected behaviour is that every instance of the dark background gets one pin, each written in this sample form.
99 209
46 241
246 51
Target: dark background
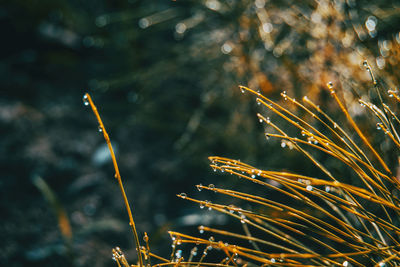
164 75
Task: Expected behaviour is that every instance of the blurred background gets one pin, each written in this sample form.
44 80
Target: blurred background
165 76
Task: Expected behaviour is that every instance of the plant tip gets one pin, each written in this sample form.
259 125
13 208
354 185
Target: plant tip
199 187
85 99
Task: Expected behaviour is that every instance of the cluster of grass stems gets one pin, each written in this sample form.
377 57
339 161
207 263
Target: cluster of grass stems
314 222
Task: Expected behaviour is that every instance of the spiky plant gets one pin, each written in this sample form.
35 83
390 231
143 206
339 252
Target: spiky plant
347 218
336 223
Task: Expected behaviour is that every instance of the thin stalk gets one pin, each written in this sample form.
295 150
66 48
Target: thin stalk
117 174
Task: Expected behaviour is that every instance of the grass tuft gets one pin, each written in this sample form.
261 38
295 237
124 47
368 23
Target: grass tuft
331 220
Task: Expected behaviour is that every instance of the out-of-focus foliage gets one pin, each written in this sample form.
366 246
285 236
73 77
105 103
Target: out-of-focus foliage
164 74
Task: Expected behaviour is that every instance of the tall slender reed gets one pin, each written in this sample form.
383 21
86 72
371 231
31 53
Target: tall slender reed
87 100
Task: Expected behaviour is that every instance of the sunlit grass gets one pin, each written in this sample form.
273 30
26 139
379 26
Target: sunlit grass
310 221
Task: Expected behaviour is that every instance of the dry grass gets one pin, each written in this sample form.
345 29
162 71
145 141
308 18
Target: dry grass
308 221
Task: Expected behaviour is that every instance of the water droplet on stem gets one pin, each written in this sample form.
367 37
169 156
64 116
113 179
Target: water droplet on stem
85 100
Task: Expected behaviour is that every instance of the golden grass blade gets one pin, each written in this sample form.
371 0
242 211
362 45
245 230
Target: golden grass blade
88 101
328 144
394 94
357 129
312 221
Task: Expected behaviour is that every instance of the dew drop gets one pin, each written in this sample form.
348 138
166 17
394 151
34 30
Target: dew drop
194 251
202 205
211 186
85 100
290 145
201 229
273 260
327 188
345 263
183 195
199 187
207 203
284 95
309 188
235 257
231 208
379 126
283 144
268 120
100 129
260 120
178 254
